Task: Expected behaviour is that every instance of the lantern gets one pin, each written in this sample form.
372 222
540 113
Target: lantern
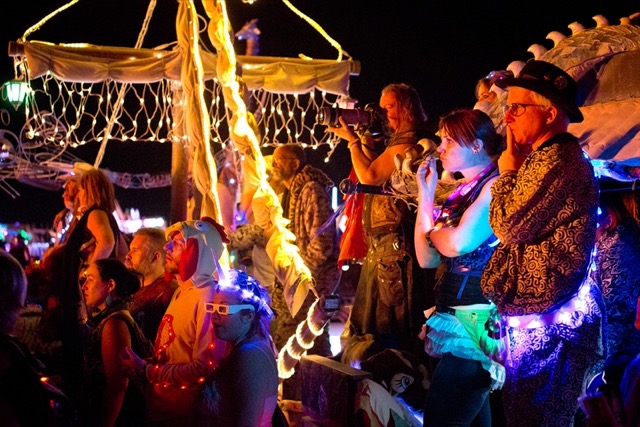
16 92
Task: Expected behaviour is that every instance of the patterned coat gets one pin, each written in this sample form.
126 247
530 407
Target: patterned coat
545 218
309 208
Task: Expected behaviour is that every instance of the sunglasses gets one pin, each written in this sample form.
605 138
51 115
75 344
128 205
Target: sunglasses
227 309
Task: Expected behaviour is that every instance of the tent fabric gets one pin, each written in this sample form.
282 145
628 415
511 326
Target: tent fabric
610 131
287 262
92 64
576 54
604 61
197 120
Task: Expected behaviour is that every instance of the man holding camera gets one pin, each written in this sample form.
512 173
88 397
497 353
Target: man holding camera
393 290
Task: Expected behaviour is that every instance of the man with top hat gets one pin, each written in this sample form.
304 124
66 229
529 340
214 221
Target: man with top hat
185 350
543 209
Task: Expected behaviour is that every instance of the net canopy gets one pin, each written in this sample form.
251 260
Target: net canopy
186 94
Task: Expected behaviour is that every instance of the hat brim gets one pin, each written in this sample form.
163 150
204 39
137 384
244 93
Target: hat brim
76 171
68 177
544 89
608 185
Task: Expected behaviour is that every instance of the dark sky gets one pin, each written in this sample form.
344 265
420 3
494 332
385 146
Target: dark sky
441 48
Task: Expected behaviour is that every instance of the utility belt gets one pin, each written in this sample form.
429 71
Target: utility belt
386 244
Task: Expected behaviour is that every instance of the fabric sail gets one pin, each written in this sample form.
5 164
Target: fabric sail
190 65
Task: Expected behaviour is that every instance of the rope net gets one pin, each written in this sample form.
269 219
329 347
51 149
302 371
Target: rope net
61 114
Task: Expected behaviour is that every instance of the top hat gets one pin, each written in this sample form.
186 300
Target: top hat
549 81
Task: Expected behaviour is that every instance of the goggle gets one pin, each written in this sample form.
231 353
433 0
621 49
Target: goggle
227 309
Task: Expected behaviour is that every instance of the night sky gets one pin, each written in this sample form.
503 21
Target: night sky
441 48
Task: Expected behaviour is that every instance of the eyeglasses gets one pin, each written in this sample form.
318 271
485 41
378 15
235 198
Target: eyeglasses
516 110
227 309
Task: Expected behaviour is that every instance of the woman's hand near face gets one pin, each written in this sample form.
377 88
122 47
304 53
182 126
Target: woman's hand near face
427 255
427 178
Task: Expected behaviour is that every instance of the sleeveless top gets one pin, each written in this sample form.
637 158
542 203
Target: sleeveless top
459 277
87 243
218 403
133 410
385 214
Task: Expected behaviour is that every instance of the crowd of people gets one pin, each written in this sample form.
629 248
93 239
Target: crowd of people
496 277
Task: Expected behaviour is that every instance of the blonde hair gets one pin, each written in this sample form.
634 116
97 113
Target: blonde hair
410 108
98 190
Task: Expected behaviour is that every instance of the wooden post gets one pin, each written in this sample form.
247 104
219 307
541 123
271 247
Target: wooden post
179 159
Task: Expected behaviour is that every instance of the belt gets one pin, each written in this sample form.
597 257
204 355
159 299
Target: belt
564 314
441 308
464 271
493 326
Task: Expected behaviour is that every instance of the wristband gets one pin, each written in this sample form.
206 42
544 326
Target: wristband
353 141
427 236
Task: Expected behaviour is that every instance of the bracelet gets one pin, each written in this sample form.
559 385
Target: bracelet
427 236
353 141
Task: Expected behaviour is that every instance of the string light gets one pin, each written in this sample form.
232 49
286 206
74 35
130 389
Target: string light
563 315
302 340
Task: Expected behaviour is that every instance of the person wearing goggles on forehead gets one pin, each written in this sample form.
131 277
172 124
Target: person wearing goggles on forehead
243 390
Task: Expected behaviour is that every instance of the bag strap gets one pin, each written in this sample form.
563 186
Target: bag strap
140 344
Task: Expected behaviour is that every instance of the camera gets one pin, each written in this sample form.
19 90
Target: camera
331 302
371 117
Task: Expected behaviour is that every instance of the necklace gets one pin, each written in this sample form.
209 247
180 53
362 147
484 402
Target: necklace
458 201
